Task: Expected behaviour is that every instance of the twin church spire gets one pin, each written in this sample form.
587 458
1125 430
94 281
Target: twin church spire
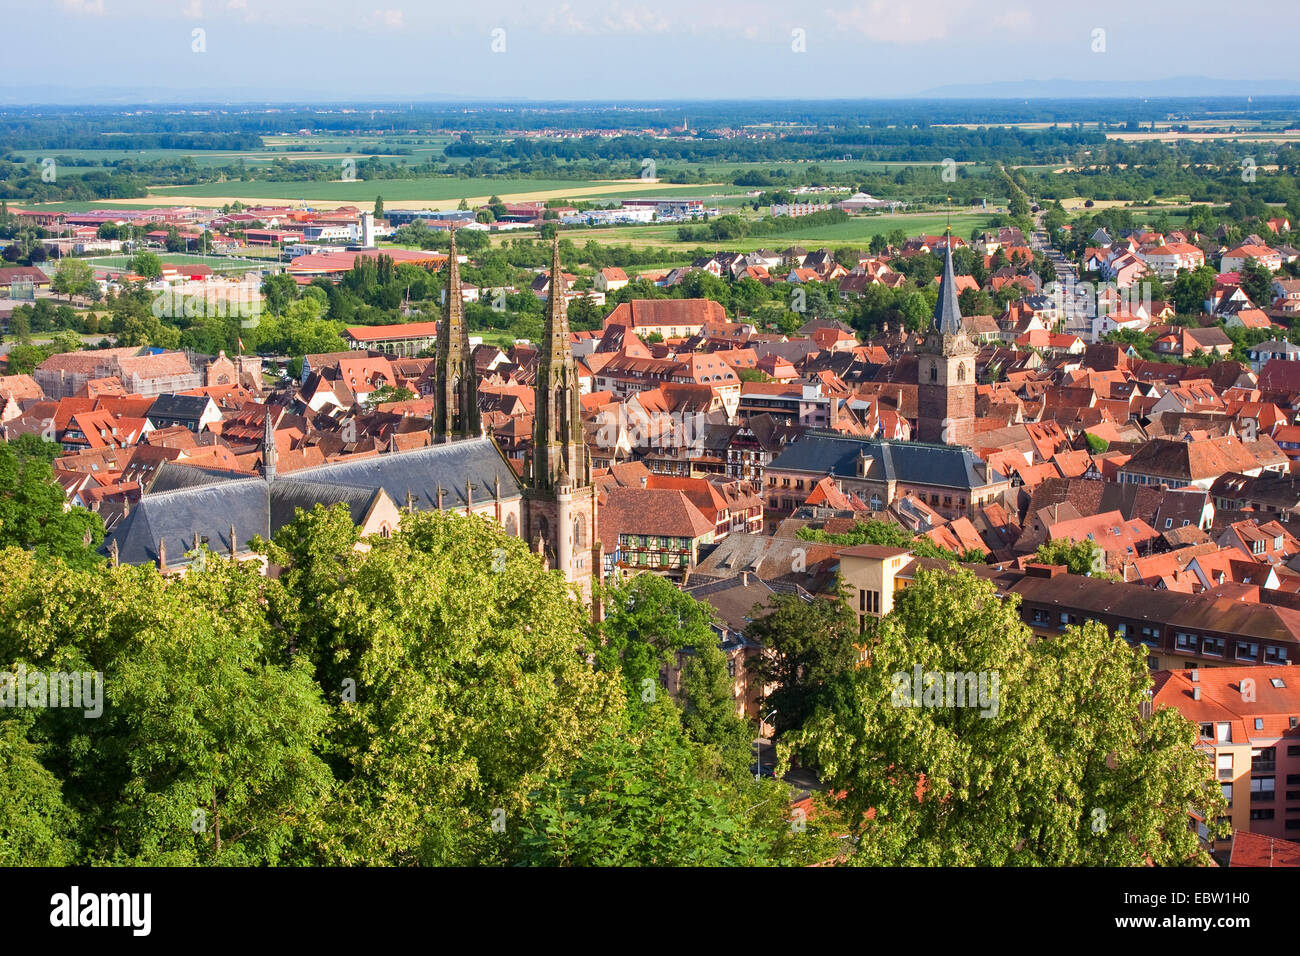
456 414
559 456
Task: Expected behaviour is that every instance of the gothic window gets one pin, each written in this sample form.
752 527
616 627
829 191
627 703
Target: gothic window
579 533
934 372
512 526
961 371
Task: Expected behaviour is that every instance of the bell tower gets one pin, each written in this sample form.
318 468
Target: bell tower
945 369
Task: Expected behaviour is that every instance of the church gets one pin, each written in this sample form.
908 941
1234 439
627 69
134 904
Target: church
553 508
945 369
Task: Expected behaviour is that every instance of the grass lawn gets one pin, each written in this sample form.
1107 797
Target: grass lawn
217 263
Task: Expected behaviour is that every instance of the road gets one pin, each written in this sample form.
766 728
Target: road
1079 309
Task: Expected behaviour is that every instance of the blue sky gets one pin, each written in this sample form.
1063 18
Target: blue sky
626 49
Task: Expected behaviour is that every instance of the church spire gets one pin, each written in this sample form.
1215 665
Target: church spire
269 453
456 414
559 451
947 311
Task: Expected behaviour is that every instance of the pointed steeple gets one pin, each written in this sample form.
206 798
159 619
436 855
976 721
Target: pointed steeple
456 414
947 311
269 453
559 450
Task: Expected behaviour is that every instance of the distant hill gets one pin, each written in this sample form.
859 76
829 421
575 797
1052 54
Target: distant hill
1090 89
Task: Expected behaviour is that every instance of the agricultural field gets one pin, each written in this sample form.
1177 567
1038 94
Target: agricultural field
413 193
856 230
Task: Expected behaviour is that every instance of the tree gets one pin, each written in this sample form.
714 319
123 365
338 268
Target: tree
709 712
1030 753
1083 557
460 670
145 264
385 394
279 290
72 277
648 623
1191 288
37 828
202 751
379 207
975 302
643 796
808 648
1257 282
32 514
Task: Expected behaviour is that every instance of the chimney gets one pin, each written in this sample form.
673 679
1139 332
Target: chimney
1196 693
1194 675
744 579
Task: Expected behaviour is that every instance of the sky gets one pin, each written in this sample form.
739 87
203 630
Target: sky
622 50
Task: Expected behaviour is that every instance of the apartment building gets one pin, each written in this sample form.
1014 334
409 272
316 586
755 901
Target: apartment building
1248 725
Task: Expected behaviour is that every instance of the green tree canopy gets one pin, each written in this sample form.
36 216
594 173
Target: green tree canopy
1044 759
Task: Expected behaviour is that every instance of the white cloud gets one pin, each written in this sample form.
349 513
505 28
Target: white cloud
193 9
93 7
904 24
1014 19
392 18
609 20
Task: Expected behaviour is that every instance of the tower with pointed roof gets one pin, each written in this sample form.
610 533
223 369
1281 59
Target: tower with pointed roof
456 414
561 520
269 452
945 369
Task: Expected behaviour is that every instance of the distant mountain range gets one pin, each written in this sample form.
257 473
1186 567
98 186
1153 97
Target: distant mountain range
1199 87
1174 86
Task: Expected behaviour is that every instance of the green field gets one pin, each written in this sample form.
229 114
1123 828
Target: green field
856 230
217 263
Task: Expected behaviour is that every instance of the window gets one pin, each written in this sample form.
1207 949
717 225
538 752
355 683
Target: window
731 667
1263 759
1259 723
1247 651
1261 814
1293 824
1261 790
1184 641
1227 792
1213 646
1224 732
1274 654
1224 764
1169 522
934 372
1207 731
